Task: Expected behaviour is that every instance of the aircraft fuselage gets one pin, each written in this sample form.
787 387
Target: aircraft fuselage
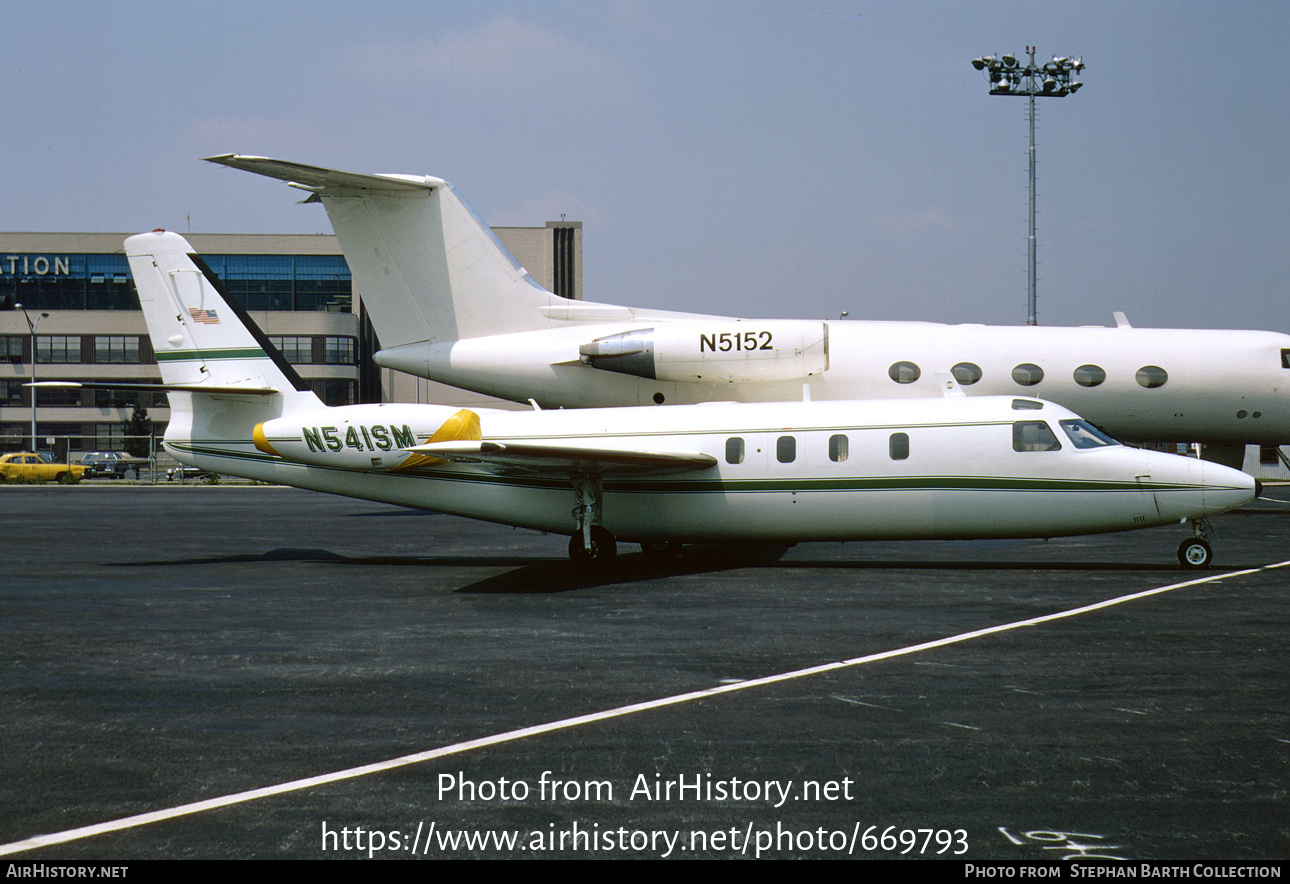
1142 384
787 472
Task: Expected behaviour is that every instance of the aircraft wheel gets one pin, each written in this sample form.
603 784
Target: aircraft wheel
603 548
1195 553
661 549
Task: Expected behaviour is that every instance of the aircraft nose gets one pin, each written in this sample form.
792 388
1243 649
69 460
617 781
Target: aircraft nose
1188 488
1225 488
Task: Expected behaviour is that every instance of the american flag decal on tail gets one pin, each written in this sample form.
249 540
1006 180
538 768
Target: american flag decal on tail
207 316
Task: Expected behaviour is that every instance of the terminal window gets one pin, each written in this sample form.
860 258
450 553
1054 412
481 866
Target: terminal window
58 348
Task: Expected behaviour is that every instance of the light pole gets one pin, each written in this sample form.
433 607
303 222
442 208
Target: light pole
31 327
1050 79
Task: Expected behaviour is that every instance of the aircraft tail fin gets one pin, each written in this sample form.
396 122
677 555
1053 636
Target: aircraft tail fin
200 337
428 268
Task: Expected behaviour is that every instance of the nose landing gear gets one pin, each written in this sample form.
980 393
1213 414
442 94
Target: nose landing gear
1195 552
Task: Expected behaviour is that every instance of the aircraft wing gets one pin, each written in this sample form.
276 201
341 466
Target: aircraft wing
245 390
316 178
527 457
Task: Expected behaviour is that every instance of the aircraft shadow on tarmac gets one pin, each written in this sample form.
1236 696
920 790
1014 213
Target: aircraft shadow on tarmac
527 574
558 576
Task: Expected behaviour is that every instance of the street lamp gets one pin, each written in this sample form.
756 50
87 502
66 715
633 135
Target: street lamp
1050 79
31 327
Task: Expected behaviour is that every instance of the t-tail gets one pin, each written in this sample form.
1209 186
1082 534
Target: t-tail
430 272
443 273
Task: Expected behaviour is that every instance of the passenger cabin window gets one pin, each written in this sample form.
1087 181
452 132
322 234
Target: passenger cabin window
1152 376
838 447
1027 374
1089 375
1285 358
966 373
1084 435
904 372
786 449
1033 436
898 446
735 450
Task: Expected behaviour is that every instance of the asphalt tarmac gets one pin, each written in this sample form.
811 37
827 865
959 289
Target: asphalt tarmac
161 646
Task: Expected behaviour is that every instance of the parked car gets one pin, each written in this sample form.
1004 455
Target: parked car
26 466
104 463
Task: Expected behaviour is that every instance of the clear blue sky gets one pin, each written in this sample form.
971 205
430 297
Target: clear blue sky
788 158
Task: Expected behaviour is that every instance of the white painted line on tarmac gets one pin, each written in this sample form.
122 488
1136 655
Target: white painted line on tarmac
157 816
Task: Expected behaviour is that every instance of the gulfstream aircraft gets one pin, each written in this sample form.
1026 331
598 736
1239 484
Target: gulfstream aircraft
450 303
949 467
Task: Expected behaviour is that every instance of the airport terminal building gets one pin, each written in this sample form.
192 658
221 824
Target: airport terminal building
80 320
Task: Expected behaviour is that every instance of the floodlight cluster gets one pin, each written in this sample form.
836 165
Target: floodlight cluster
1008 77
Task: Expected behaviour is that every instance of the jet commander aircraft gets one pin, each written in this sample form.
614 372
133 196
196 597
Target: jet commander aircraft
955 467
450 303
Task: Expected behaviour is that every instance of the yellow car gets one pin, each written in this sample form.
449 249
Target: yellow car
27 467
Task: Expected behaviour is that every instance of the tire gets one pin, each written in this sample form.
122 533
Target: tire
603 548
1195 553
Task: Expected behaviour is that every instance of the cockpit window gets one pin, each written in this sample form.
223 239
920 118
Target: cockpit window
1033 436
1285 358
1084 435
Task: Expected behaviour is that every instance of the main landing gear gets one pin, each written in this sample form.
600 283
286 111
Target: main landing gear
593 544
600 550
1195 552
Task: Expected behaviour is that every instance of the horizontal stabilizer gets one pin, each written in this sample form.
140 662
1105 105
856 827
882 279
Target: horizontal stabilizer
529 458
317 179
246 390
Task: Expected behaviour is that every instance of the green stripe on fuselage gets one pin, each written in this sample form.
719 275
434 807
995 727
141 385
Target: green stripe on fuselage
208 355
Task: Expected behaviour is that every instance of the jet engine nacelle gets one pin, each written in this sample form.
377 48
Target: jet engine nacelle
724 350
365 437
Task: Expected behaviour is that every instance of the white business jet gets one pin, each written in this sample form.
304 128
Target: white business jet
450 303
949 467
